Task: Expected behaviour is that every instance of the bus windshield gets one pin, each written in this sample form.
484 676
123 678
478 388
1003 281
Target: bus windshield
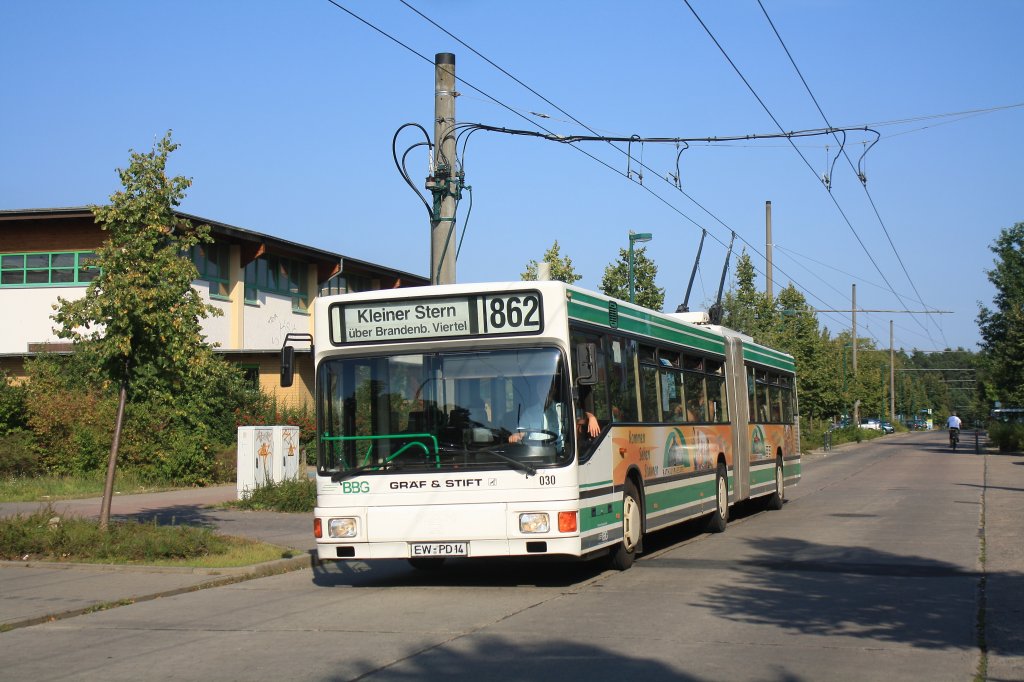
483 410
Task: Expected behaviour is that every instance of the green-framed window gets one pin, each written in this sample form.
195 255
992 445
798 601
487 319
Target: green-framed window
212 262
251 372
59 268
335 285
276 275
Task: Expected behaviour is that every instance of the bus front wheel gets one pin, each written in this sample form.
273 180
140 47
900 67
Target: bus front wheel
623 555
720 517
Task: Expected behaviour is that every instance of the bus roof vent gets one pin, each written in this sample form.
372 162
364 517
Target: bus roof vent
613 314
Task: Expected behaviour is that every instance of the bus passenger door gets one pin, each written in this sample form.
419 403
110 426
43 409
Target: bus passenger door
738 410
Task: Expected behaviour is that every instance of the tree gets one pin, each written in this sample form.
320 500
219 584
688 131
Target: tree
615 282
561 267
1002 327
140 316
746 309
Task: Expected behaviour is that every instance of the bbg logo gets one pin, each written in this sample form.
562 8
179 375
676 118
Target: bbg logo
352 487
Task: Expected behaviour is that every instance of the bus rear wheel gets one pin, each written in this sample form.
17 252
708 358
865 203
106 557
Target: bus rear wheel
776 499
720 517
624 553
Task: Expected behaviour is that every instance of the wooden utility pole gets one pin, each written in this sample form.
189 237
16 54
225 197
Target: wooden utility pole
444 179
768 248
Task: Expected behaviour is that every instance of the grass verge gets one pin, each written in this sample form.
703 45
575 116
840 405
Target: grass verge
45 488
46 536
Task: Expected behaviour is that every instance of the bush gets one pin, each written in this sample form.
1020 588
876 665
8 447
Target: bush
1008 437
18 457
71 417
12 405
170 434
225 465
287 496
267 411
814 439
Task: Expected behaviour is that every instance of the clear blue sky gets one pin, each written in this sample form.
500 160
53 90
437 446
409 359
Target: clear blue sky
285 113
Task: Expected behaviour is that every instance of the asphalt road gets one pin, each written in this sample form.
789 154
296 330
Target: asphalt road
871 571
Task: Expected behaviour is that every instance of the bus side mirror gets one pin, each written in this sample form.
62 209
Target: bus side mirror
586 364
287 366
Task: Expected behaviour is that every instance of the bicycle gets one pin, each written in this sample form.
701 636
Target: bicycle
954 438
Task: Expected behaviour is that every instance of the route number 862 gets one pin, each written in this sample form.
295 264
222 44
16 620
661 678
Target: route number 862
514 312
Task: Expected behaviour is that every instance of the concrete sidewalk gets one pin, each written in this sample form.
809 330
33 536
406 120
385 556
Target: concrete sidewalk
1004 566
35 592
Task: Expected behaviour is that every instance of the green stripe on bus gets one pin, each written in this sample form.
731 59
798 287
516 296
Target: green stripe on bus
595 485
677 497
648 325
762 475
600 515
766 356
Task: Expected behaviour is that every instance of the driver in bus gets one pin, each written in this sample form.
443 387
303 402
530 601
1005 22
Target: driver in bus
539 418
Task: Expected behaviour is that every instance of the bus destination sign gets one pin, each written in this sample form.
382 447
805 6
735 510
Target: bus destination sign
507 313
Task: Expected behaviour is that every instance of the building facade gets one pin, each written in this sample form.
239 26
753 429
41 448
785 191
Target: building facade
264 286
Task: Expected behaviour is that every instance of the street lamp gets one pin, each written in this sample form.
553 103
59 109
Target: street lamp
635 237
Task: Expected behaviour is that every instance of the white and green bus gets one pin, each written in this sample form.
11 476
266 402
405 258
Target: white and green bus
535 419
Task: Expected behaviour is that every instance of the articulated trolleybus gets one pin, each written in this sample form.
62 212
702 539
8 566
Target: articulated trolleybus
535 419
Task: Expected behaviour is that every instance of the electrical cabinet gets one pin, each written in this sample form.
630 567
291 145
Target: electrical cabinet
267 454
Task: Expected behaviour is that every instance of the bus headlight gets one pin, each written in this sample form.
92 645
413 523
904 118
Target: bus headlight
342 528
534 522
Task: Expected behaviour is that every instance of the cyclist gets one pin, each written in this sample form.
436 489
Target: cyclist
953 424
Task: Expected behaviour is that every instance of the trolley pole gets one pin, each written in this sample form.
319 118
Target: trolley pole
444 181
768 248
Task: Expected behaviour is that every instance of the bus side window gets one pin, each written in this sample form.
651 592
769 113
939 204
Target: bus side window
649 394
787 405
776 393
762 402
595 398
622 379
672 395
696 403
716 399
751 396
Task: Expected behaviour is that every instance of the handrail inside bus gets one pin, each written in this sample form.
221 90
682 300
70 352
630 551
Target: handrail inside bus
426 450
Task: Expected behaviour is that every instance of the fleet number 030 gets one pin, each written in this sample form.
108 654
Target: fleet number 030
513 311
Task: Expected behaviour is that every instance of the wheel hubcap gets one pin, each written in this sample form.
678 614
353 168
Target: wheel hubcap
723 500
630 523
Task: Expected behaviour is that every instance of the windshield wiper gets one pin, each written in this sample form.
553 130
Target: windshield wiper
348 473
511 461
505 459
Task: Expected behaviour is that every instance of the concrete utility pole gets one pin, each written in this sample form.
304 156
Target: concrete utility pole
444 180
768 247
853 309
892 377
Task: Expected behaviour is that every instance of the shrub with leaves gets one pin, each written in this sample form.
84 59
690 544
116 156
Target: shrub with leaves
12 404
1007 437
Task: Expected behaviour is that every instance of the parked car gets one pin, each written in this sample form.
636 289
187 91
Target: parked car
884 427
841 424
